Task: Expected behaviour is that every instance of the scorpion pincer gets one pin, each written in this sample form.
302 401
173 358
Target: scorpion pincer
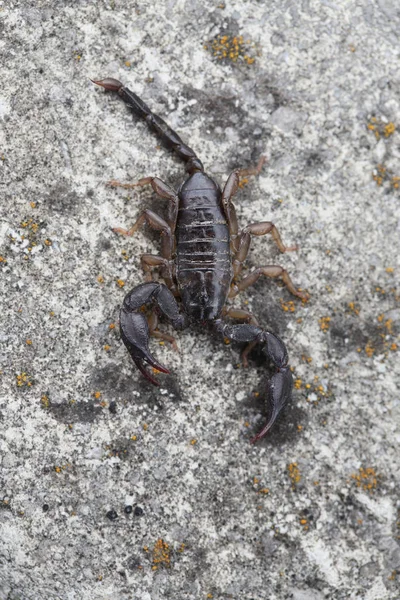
202 255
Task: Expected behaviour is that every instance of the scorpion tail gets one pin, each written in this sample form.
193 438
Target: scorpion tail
169 138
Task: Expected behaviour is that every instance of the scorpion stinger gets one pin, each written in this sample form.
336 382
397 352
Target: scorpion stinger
201 260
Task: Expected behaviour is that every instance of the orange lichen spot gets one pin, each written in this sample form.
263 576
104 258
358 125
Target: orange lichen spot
256 394
32 204
128 63
2 259
297 383
389 269
288 306
28 342
316 482
369 350
145 548
227 341
97 395
111 326
243 182
392 576
52 313
193 442
181 548
393 347
256 480
133 438
23 380
103 404
367 478
233 48
300 427
210 596
264 491
389 326
389 129
48 242
120 283
308 385
354 308
106 347
45 401
352 48
100 279
303 521
324 323
246 424
58 469
294 474
145 426
161 554
395 181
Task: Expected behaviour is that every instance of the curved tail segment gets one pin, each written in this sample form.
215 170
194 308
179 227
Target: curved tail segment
167 136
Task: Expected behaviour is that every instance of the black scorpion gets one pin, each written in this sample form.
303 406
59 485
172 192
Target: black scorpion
202 255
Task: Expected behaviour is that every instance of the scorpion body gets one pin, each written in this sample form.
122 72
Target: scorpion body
202 254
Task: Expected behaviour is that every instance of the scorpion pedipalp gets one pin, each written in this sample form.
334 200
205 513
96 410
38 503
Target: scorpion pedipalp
135 332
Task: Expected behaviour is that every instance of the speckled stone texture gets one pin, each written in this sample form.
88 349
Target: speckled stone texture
310 513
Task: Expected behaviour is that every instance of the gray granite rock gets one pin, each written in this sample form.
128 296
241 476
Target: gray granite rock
311 512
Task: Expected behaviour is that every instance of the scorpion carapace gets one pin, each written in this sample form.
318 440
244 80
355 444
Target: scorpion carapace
202 255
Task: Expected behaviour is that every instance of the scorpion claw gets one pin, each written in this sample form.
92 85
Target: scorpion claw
135 335
113 85
279 393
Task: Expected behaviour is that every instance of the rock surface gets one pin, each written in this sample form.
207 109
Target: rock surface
311 512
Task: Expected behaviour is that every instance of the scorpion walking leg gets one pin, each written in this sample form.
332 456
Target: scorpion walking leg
281 384
135 332
152 322
269 271
243 242
230 189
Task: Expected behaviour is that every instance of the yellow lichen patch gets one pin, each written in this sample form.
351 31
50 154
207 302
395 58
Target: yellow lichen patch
97 395
354 308
288 306
161 554
106 347
193 442
389 269
120 283
389 129
294 474
297 383
45 401
48 242
23 380
382 174
232 48
243 182
367 479
264 491
369 349
100 279
324 323
128 63
28 342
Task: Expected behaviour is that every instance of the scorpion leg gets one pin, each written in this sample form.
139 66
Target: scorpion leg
243 242
230 189
268 271
281 383
135 332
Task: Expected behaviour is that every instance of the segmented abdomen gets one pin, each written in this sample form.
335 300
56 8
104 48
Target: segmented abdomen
203 257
